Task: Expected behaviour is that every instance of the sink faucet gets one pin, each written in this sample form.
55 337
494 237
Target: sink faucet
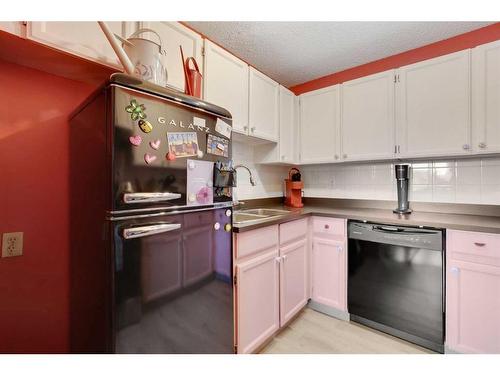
249 172
236 202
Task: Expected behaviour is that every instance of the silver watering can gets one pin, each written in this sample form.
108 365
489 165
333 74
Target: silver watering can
141 57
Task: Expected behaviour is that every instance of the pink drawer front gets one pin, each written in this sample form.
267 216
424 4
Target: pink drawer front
474 247
256 241
329 226
293 230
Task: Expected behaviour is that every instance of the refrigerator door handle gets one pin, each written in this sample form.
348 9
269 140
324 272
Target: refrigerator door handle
149 197
149 230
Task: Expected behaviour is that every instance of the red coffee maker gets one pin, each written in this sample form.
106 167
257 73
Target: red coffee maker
294 187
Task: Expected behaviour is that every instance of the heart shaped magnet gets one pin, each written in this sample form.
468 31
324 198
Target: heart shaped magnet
149 158
135 140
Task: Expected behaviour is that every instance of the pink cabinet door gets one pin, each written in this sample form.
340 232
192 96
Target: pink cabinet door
473 307
293 279
257 300
161 266
198 255
329 282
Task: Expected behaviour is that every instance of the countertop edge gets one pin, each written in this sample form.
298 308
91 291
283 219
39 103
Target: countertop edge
315 211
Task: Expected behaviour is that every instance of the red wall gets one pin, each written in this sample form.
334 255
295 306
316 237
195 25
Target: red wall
34 301
460 42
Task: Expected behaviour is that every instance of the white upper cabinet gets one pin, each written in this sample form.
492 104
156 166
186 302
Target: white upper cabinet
173 35
84 39
12 27
226 84
367 126
486 98
287 125
283 152
263 106
319 126
433 107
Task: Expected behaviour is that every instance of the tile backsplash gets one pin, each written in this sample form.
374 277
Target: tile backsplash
268 178
454 181
473 180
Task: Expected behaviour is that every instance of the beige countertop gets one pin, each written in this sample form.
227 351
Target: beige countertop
476 223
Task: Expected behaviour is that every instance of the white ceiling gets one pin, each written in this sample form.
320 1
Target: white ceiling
297 52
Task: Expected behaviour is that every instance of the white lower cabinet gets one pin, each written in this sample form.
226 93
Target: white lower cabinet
486 98
84 39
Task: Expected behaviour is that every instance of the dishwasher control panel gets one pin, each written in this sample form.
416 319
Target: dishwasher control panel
426 238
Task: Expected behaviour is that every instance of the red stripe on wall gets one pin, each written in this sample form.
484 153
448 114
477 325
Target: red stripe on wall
457 43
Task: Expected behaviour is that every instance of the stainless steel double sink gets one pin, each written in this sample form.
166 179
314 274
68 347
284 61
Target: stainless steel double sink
256 214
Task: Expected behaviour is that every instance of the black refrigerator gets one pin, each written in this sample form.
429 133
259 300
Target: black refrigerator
150 222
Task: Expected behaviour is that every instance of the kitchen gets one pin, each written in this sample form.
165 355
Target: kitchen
228 200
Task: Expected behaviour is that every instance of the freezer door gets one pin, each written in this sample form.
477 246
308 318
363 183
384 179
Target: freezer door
173 284
153 142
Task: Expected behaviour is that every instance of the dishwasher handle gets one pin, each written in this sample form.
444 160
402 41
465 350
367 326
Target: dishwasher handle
149 230
399 230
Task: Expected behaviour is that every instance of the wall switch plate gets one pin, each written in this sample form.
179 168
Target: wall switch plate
12 244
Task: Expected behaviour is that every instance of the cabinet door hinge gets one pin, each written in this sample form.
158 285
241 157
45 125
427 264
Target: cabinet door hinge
235 349
203 50
395 79
235 280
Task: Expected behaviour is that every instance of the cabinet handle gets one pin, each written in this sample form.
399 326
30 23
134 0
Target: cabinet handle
284 258
245 128
465 146
399 149
482 145
282 157
344 156
479 244
252 129
454 270
336 157
339 248
278 259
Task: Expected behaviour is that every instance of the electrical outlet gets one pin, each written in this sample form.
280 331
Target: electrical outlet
12 244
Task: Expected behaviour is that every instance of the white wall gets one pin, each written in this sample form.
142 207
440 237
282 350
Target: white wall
269 178
455 181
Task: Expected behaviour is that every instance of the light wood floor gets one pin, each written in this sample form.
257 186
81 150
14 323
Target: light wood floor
314 332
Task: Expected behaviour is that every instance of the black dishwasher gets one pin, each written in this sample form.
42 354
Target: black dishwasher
396 281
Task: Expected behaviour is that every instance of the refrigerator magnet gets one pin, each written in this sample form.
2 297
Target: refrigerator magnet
145 126
155 144
217 145
183 144
136 110
223 128
149 158
135 140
